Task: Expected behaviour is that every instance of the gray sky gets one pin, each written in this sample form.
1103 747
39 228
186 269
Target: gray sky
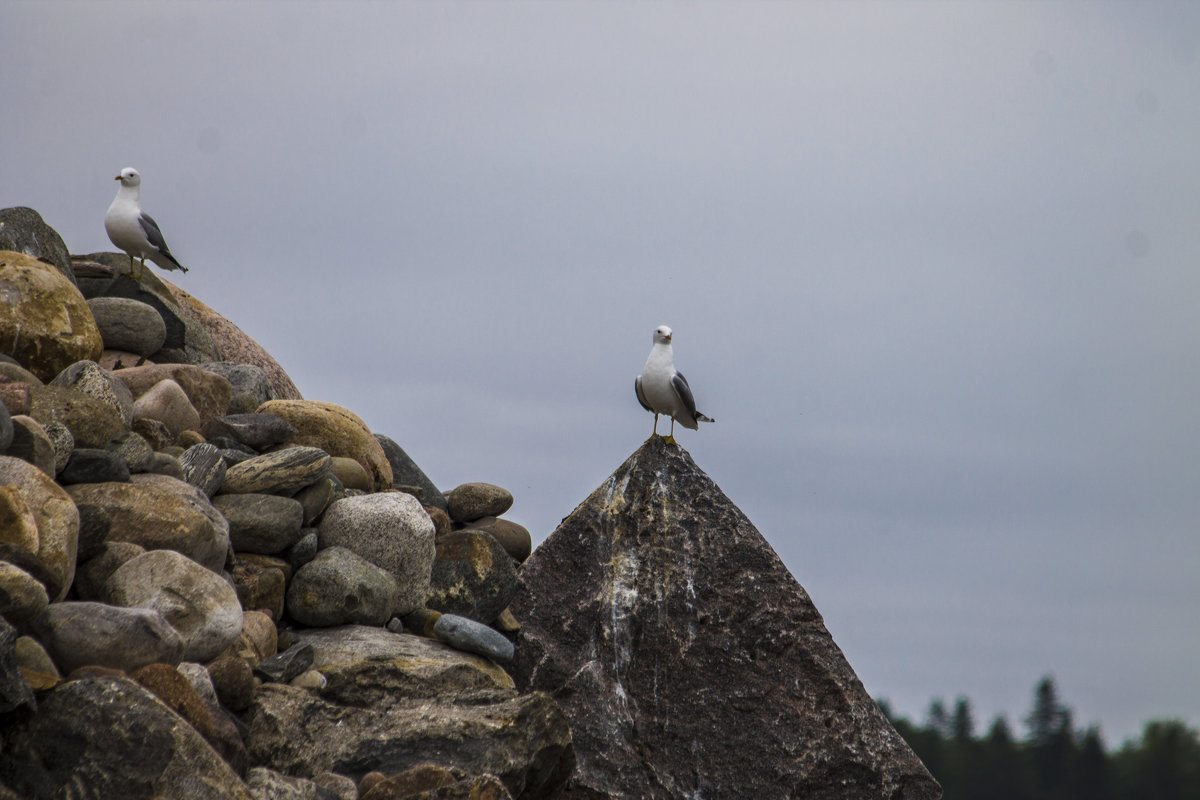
933 267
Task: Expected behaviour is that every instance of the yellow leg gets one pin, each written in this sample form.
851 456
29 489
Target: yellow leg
670 438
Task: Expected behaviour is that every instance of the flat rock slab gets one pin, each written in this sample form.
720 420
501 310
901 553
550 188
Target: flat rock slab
522 739
689 660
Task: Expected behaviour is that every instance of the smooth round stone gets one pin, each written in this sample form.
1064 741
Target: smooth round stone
472 576
91 379
473 637
196 601
57 517
256 431
472 501
22 597
159 512
513 537
133 450
316 497
208 393
31 444
44 321
391 530
203 467
441 521
351 473
88 465
280 472
77 634
166 402
339 587
129 325
261 523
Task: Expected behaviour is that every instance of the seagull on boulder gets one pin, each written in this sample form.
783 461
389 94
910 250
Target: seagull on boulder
661 389
133 230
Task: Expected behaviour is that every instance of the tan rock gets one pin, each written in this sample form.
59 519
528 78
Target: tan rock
91 422
45 324
208 392
337 431
166 402
57 523
160 513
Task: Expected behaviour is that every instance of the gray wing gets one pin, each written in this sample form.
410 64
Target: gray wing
637 389
155 237
680 384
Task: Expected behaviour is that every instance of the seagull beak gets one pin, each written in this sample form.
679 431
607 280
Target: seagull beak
117 178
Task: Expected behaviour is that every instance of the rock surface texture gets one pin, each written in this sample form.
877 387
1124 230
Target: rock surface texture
692 664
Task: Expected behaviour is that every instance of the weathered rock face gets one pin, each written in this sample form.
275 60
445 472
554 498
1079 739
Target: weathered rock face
109 737
690 661
23 230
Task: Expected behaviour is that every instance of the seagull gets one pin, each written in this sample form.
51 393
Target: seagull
661 389
132 229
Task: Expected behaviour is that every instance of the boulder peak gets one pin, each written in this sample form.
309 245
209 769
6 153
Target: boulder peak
688 659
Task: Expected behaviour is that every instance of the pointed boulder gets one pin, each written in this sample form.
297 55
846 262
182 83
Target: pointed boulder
688 660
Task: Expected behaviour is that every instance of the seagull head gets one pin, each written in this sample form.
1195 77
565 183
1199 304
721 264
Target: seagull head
129 177
662 335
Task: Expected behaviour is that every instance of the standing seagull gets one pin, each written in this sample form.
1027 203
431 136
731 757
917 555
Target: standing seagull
662 390
132 230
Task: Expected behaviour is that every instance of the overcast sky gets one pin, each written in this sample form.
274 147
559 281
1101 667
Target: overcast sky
933 267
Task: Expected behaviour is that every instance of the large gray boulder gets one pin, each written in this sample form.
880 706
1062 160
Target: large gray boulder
691 662
340 587
196 601
110 737
392 531
79 634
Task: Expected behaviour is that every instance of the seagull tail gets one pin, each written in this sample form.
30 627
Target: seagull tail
165 255
702 418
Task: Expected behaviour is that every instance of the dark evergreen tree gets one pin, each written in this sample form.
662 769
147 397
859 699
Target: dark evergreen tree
1091 779
1002 772
1164 765
1051 742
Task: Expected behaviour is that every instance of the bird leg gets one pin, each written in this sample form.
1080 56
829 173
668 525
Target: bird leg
670 438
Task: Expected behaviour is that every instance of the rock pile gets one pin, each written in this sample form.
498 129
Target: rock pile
211 587
184 537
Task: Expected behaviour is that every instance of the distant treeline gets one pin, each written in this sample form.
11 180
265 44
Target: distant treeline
1055 760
